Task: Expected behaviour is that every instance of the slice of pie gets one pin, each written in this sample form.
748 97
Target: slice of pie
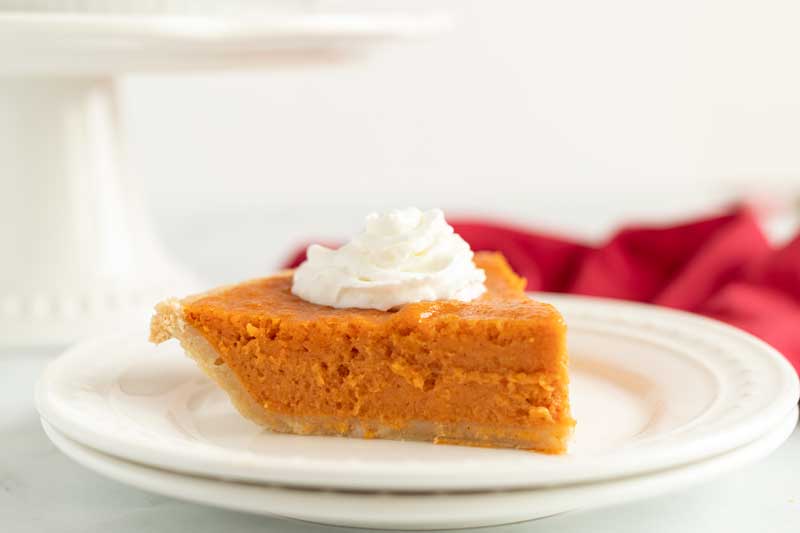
488 372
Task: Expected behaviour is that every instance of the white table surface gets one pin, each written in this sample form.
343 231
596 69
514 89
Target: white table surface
42 491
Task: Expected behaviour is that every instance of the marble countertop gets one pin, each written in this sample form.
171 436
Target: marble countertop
42 491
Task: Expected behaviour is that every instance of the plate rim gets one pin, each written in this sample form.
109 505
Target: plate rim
281 473
605 492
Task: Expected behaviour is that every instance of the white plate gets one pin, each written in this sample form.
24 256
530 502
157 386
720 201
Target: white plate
417 511
652 388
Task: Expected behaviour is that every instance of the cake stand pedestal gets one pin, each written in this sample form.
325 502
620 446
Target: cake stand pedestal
78 252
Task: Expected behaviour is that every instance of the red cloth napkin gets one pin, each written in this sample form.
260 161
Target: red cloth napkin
721 267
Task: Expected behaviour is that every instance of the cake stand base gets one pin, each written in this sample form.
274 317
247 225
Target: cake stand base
78 253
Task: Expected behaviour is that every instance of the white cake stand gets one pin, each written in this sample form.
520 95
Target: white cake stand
77 252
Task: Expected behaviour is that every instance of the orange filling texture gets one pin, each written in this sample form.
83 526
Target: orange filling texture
498 362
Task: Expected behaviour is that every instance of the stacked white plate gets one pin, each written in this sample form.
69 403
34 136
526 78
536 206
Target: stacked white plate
663 399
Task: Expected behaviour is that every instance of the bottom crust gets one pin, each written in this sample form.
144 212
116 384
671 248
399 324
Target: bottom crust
168 323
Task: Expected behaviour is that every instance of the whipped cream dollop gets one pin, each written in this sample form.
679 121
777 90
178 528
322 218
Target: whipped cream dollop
402 256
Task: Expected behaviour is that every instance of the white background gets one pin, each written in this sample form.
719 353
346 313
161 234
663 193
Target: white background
574 116
538 110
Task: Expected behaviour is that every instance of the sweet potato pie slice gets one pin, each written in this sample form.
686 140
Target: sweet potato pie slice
490 372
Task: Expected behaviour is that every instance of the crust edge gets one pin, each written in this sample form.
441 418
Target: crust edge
168 323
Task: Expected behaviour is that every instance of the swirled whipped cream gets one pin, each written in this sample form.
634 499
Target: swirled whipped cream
402 256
